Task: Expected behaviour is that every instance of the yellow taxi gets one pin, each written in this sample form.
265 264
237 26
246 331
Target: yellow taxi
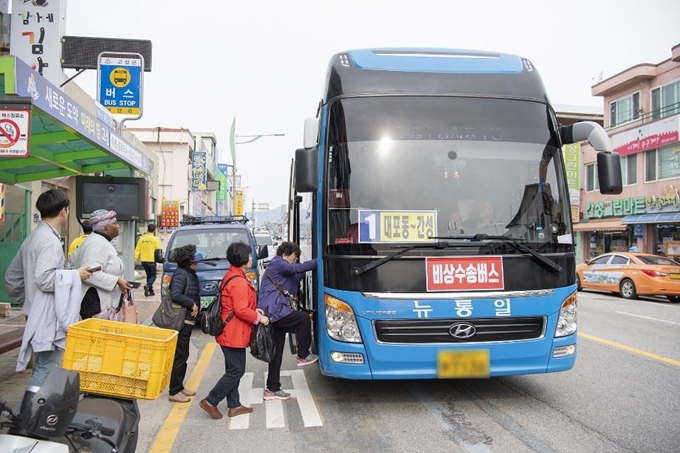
630 275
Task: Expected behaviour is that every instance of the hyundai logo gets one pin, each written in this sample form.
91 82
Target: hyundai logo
462 330
209 287
52 419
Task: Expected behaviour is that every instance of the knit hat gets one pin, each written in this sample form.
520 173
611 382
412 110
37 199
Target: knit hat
100 218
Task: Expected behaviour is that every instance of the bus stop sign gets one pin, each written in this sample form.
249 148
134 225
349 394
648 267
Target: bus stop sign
120 83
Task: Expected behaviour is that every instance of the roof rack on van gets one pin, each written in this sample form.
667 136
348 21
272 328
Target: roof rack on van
193 220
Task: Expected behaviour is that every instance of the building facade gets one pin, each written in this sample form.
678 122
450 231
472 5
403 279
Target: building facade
642 118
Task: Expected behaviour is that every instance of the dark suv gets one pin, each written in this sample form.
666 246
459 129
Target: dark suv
211 235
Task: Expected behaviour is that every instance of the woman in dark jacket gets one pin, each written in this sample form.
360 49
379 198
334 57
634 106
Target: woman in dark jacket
284 274
184 291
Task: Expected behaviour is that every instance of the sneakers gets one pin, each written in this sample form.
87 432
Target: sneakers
189 392
179 397
311 358
213 411
278 395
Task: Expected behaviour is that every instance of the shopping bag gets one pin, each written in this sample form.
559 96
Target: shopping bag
262 345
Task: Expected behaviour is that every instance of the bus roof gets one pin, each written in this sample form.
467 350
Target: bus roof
432 72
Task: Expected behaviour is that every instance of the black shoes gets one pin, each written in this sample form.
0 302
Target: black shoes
146 291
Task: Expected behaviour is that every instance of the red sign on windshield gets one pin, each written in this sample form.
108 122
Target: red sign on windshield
464 273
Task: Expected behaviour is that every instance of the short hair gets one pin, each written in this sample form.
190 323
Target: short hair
288 248
185 254
238 253
151 227
50 203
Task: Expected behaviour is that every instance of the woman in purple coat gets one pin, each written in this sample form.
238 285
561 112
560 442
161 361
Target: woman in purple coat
284 274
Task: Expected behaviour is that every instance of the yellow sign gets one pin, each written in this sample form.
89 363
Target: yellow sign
124 110
397 226
120 77
239 203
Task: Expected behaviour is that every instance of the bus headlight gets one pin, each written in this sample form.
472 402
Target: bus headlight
341 324
566 323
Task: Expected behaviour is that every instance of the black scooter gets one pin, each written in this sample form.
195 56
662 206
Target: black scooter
57 418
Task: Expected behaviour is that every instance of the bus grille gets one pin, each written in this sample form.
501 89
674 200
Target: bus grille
481 330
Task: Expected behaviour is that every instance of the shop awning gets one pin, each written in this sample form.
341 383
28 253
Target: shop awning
600 225
66 138
662 217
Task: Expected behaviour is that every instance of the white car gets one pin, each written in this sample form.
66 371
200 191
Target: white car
265 240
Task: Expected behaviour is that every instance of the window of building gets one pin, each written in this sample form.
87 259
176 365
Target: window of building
663 163
666 100
624 110
592 182
629 169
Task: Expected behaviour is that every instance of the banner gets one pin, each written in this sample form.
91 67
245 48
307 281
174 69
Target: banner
199 172
239 202
170 214
223 178
572 162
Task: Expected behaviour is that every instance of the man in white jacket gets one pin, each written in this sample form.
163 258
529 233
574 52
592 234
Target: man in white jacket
33 276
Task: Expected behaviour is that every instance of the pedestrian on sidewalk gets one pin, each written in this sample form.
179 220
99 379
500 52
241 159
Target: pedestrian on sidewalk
105 287
145 252
184 291
237 297
283 275
50 294
77 242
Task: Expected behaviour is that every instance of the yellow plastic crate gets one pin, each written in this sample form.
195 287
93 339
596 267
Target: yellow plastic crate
120 359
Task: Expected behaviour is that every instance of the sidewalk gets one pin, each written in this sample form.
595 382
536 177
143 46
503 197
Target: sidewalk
14 384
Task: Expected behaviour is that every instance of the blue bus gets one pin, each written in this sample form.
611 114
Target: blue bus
436 189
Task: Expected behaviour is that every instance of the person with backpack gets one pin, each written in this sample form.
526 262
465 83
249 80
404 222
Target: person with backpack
237 296
184 290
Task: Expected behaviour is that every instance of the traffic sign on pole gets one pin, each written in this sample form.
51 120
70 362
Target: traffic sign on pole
121 82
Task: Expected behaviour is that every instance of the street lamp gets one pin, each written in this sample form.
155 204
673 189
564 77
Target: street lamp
232 148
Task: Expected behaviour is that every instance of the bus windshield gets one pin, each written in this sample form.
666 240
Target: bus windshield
405 169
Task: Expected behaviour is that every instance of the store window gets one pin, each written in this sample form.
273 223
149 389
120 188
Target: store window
609 241
665 233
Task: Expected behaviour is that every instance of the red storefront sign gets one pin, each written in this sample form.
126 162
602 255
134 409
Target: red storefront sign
464 273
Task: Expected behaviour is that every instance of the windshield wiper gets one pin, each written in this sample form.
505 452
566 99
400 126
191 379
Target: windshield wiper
209 261
356 271
517 245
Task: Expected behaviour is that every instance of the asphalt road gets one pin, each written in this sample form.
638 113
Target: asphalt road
623 395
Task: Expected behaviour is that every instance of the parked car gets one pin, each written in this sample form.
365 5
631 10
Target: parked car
265 241
211 235
631 275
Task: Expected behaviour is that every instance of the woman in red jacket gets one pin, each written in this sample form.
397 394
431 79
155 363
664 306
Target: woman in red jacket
238 296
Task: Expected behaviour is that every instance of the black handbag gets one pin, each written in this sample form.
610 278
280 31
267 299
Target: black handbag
262 345
158 256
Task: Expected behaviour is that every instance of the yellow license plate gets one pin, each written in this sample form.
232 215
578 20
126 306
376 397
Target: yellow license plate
463 364
674 276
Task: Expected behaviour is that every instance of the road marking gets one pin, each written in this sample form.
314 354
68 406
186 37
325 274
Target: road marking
245 391
647 317
310 412
165 438
629 349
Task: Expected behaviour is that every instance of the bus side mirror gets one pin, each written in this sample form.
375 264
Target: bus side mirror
306 170
609 173
608 163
